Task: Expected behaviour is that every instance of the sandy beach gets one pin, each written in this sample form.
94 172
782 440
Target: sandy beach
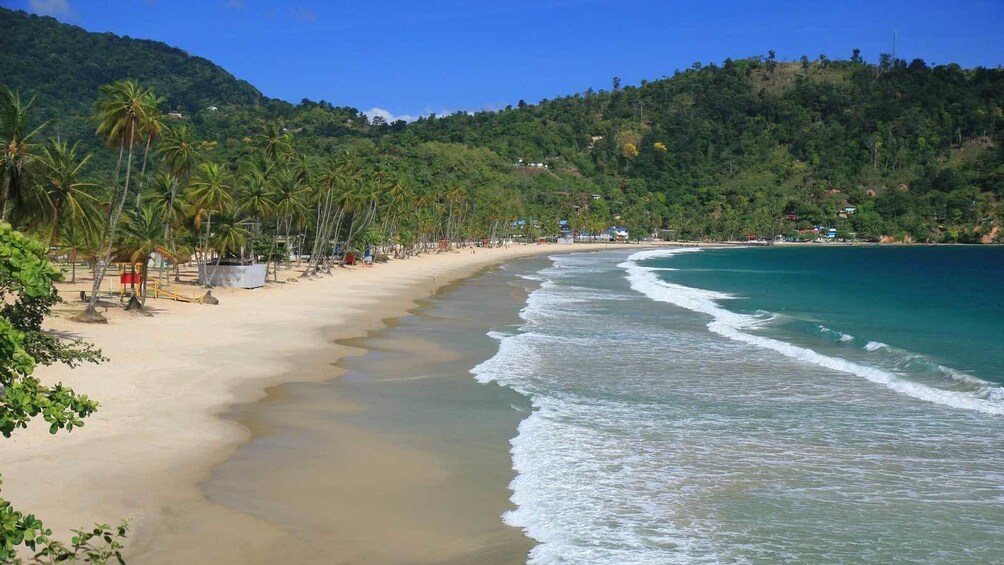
172 377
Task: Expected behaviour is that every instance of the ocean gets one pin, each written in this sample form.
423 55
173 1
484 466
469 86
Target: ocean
799 405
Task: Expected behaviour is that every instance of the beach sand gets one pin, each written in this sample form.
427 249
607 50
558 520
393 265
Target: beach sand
172 377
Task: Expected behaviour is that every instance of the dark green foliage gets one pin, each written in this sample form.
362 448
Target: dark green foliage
712 152
26 278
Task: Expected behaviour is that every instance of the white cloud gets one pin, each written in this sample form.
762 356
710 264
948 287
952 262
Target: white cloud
387 116
426 112
55 8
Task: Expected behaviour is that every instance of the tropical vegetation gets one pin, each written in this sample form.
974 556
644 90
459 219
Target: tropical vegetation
26 282
891 150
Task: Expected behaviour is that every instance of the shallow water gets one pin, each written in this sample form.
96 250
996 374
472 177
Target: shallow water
734 406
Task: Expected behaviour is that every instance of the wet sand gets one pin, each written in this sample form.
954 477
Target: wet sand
158 433
402 459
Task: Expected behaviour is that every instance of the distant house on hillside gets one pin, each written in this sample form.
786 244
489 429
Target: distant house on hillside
849 210
539 165
617 233
176 115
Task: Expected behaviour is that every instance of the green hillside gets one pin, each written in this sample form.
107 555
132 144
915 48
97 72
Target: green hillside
64 65
747 147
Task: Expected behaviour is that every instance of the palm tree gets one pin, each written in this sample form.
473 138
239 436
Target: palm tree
276 144
64 196
180 158
256 202
210 193
171 208
152 126
161 195
17 150
333 180
288 195
142 236
122 111
230 237
78 242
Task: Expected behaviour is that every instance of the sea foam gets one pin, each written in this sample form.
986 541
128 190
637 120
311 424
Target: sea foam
988 399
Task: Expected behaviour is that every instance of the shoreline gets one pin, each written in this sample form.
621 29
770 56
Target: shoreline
171 382
401 457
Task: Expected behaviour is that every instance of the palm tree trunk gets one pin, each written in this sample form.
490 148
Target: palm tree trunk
289 225
143 274
57 217
6 196
116 213
205 252
170 210
322 234
142 171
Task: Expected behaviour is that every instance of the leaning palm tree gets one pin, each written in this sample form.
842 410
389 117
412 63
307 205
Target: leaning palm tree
332 179
65 197
122 111
17 151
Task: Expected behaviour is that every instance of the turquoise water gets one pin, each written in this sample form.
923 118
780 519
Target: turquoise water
823 405
946 303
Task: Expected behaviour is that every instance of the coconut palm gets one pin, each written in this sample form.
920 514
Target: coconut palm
152 127
209 193
142 237
78 242
333 179
63 196
255 200
17 151
171 208
161 195
180 157
289 197
276 143
231 237
122 111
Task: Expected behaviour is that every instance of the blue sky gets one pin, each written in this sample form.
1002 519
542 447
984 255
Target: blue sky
408 58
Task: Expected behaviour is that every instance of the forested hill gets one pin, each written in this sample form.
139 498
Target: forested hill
749 146
910 147
64 65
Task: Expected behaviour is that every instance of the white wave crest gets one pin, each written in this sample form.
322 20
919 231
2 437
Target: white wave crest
841 336
730 324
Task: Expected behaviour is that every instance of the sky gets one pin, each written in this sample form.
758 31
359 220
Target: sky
402 59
